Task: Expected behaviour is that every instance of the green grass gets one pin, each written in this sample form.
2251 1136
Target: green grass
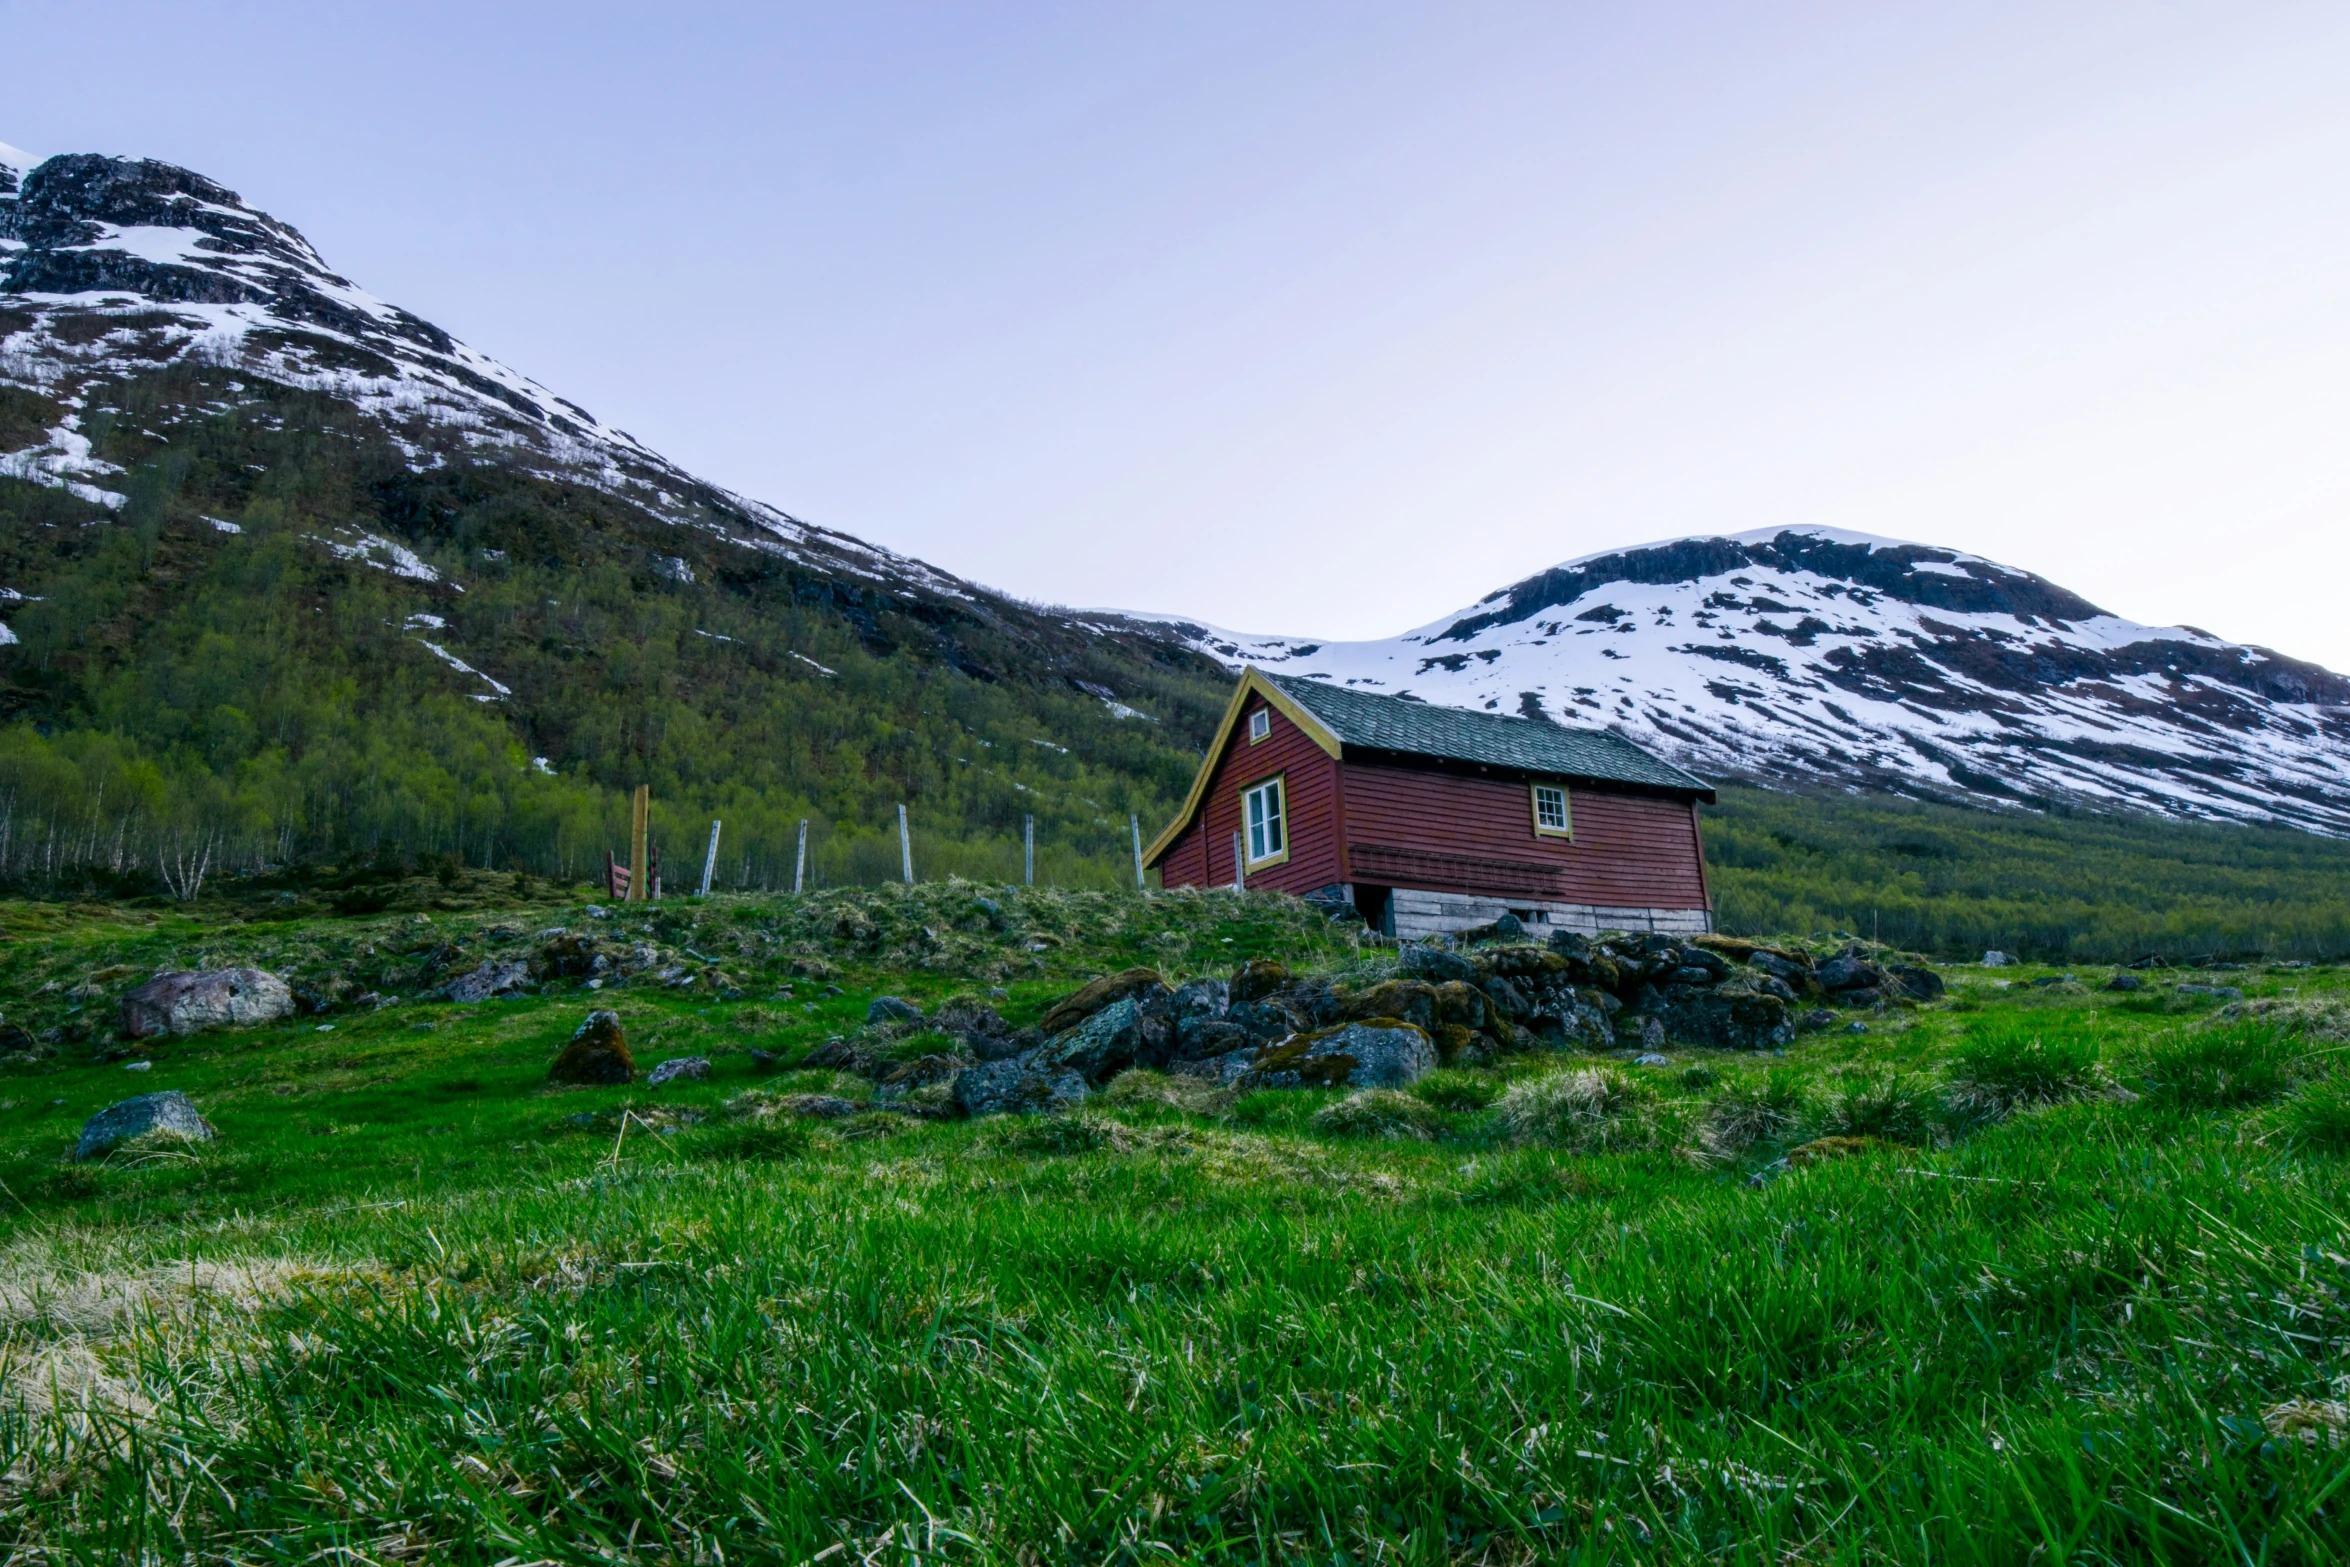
416 1305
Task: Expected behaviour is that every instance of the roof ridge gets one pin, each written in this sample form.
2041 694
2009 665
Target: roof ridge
1388 721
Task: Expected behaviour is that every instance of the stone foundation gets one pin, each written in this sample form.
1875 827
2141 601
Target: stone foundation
1414 914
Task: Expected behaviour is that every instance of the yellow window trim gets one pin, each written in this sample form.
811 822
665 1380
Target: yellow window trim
1251 684
1247 789
1534 804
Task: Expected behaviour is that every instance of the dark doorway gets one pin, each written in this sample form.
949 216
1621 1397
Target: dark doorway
1377 907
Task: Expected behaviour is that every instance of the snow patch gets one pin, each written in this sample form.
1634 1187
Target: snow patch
463 668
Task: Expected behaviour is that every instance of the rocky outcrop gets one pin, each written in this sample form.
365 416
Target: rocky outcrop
185 1003
692 1069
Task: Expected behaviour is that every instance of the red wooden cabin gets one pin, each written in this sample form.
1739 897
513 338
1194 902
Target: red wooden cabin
1431 819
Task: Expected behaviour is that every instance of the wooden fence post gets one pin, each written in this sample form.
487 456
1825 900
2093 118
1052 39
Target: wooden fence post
799 870
640 817
710 862
1135 823
1239 865
1028 850
905 846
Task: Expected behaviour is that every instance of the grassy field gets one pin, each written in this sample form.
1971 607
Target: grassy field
2035 1273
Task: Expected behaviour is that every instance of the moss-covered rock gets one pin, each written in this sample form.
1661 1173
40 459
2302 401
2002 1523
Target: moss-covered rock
597 1054
1072 1010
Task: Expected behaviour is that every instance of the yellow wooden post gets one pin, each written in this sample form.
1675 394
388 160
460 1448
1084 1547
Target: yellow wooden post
640 813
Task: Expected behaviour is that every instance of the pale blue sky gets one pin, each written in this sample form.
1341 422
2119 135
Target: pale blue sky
1332 318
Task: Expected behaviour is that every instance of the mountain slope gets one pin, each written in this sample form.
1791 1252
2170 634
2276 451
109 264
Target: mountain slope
288 571
1815 656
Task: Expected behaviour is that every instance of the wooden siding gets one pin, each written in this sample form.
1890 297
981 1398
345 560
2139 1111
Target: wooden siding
1443 831
1202 856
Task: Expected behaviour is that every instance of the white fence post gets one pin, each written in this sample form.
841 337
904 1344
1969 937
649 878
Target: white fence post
710 860
799 870
1239 864
1135 823
1028 850
905 846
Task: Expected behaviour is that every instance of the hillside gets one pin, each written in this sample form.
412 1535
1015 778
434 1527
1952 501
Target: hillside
291 574
1807 656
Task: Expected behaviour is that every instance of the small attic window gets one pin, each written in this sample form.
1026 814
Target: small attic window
1260 724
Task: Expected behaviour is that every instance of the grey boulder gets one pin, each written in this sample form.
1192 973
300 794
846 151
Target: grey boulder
1921 983
1360 1055
1849 971
1098 1048
692 1068
170 1113
1437 966
506 978
892 1009
1206 999
185 1003
1016 1087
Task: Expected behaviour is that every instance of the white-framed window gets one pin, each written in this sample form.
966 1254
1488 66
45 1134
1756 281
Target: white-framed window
1551 818
1260 724
1264 815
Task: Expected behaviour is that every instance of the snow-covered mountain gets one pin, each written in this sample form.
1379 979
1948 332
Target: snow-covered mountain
111 268
1816 656
138 301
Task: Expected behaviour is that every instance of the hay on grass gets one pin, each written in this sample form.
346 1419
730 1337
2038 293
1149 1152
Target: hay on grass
1380 1112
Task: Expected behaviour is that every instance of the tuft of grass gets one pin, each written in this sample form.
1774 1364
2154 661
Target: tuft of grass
2220 1067
1455 1090
1140 1088
2318 1117
1770 1109
916 1046
758 1138
2322 1019
2011 1062
1380 1112
1049 1135
1886 1106
1584 1108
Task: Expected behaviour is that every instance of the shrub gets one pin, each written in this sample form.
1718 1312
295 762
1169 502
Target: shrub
1588 1108
1452 1090
1764 1110
2216 1068
2009 1063
1379 1112
1889 1108
2319 1117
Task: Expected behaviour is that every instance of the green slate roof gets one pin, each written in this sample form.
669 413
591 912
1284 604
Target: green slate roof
1530 745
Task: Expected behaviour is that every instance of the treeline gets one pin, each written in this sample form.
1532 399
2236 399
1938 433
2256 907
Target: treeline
183 699
2065 886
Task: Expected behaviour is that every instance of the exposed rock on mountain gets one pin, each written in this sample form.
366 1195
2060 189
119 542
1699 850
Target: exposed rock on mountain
1803 654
